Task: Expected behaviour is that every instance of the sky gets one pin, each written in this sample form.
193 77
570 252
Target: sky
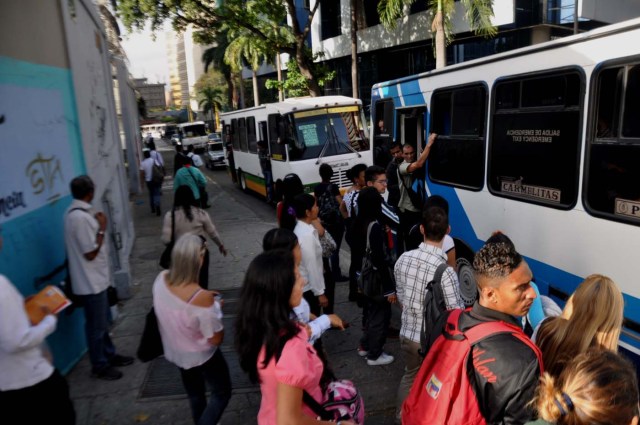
147 57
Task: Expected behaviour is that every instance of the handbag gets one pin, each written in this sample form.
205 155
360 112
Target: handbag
165 257
340 401
328 244
369 279
150 345
157 174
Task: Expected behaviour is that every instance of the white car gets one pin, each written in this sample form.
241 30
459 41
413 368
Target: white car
215 155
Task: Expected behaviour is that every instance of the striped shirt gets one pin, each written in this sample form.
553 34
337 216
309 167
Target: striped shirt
413 270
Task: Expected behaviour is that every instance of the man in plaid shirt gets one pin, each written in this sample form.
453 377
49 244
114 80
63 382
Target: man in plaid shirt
413 270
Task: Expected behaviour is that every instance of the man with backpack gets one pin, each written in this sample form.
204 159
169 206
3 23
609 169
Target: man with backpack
412 193
413 271
481 368
329 199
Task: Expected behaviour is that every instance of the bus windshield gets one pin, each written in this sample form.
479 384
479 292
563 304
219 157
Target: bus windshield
327 132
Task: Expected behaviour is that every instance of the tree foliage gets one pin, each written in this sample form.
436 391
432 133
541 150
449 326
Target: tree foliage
478 14
295 84
264 20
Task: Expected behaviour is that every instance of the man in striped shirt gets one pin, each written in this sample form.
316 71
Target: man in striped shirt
413 270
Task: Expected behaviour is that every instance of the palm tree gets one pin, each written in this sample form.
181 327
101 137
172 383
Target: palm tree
478 14
211 99
214 57
250 50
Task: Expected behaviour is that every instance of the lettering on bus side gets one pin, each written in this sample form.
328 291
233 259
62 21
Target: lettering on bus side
627 208
537 192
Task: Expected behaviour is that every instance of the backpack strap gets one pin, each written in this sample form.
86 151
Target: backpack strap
485 330
435 286
369 236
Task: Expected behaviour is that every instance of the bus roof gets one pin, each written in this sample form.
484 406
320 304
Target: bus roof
186 124
295 104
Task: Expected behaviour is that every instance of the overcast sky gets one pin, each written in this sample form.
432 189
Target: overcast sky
147 57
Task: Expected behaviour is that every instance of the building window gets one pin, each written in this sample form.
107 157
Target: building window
458 116
535 138
612 175
330 18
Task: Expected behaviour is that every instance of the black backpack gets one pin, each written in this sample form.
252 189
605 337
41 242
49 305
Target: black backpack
432 307
329 210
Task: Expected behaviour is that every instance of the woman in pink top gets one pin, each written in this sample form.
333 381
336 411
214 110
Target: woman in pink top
272 347
190 323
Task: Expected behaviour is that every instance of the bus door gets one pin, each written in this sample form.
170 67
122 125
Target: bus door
412 127
383 126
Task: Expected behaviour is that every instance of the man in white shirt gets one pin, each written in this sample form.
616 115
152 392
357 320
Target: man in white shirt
195 158
413 270
30 387
155 189
88 257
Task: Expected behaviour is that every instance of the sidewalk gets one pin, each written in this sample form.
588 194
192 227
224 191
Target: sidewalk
151 393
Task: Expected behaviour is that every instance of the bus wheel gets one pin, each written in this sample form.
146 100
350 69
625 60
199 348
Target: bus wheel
464 261
243 181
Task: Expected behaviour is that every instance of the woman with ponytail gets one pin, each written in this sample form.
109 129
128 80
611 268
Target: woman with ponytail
598 387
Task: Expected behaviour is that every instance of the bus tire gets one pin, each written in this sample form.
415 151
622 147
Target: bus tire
464 266
242 181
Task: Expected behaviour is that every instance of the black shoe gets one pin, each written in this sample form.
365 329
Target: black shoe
108 373
119 360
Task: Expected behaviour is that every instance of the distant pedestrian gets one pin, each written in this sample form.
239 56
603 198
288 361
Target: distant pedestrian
155 189
190 323
32 391
193 178
188 217
180 159
273 348
195 158
88 256
154 153
329 199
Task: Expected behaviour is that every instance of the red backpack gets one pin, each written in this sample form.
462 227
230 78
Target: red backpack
441 392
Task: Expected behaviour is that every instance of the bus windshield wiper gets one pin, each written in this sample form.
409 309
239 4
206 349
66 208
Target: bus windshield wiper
332 137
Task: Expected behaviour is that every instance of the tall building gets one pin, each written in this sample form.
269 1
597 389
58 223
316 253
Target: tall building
185 67
153 94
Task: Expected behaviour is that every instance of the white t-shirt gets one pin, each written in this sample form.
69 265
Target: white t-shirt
197 161
447 243
80 230
147 166
21 360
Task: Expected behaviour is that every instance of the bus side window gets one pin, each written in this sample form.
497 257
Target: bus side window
535 138
277 149
252 142
234 134
242 134
612 176
458 118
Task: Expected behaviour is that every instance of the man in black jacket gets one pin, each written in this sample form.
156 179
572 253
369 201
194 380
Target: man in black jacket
502 370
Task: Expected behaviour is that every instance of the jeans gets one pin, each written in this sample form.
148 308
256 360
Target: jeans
215 373
96 327
375 329
412 363
155 192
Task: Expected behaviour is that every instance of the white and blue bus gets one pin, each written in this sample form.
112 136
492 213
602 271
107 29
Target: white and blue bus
542 143
298 134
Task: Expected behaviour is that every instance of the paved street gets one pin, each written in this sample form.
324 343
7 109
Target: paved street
152 393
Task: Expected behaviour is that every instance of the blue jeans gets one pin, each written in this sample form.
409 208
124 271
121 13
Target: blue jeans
155 192
215 373
96 328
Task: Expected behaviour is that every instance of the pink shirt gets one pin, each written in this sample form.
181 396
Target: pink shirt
299 366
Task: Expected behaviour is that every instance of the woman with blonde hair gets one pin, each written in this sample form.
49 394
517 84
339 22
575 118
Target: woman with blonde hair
191 329
598 387
592 318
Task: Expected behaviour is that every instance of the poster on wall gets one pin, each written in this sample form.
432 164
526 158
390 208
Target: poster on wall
36 166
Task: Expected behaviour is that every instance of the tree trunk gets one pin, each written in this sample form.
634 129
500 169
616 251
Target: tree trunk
354 49
233 92
256 96
441 48
360 17
279 68
305 66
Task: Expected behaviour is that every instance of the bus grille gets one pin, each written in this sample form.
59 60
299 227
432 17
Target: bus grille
340 178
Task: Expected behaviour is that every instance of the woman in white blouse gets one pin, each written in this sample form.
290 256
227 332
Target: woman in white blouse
190 323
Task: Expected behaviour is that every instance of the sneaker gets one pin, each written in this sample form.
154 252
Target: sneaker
109 373
383 359
119 360
362 352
